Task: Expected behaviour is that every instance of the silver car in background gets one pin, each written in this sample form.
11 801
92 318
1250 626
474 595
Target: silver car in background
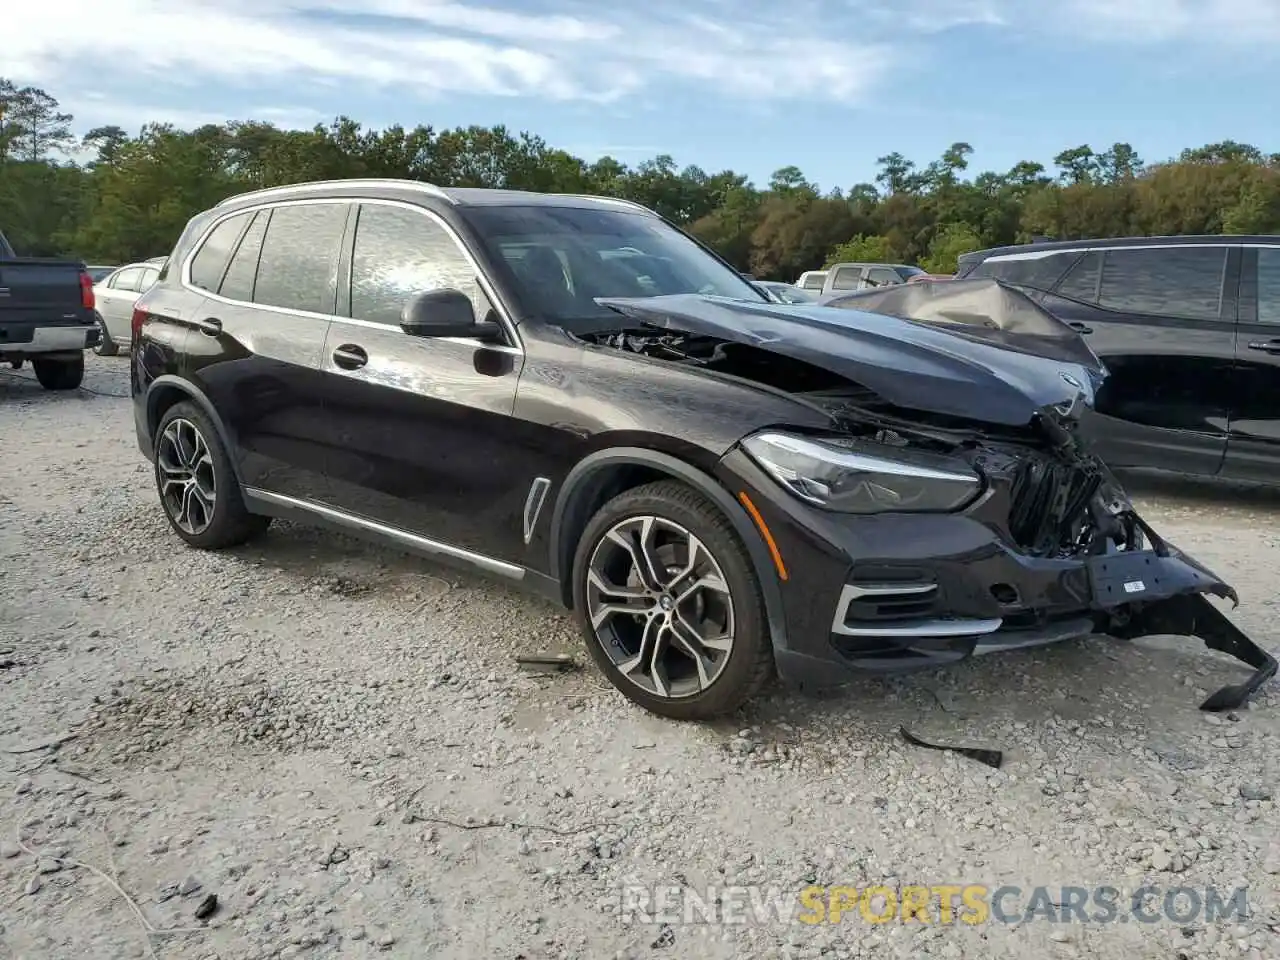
115 296
784 292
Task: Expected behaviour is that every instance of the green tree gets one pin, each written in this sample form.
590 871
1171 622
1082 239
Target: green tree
860 249
132 195
950 242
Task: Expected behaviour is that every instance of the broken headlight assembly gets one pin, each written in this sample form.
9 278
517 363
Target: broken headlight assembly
851 476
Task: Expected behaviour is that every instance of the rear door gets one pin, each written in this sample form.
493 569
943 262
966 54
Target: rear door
1162 319
255 349
112 296
1253 447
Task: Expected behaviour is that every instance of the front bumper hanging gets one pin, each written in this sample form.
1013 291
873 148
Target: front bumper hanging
1194 616
1189 613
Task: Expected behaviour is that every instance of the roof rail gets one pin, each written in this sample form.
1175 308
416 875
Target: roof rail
429 188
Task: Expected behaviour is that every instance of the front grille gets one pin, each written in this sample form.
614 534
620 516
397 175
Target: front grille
1050 504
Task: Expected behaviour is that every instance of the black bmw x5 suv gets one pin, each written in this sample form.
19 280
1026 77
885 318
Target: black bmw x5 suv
571 394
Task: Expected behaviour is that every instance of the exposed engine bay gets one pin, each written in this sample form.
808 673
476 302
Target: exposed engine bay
1064 503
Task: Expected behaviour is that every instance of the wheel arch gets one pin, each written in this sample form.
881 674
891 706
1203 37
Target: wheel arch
168 390
601 476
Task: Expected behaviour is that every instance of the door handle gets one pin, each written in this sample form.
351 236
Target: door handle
349 356
209 326
1080 327
1266 346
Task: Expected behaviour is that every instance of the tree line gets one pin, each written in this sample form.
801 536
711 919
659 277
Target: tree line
112 197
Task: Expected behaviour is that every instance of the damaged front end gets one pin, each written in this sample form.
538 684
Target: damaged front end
1050 498
1007 399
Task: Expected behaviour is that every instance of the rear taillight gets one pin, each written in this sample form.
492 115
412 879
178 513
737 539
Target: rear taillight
135 324
86 292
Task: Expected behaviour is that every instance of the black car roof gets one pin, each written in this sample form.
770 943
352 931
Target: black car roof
1112 242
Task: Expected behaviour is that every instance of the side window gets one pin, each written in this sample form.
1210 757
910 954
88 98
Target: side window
846 278
149 277
1183 282
1032 272
1269 285
299 254
882 276
399 253
1081 283
207 266
238 283
127 280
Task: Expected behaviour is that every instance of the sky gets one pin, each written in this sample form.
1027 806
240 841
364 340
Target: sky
752 85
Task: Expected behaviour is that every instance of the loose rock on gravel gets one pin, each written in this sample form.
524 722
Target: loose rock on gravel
312 747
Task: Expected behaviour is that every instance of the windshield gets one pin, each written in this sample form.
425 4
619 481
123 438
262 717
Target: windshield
562 258
910 271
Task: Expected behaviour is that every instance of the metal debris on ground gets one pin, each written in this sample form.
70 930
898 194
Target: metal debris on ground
206 907
546 663
992 758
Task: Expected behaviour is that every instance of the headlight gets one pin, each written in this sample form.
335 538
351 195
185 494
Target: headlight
859 477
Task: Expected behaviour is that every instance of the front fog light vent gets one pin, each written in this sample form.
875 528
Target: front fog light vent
901 600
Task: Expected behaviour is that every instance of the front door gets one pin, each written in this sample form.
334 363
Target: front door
420 425
1162 319
1253 448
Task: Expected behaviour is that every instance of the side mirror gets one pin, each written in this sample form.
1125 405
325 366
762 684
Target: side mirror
444 313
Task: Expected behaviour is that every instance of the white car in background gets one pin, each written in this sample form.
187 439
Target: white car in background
115 296
812 280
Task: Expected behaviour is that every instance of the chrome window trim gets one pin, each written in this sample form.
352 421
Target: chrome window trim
504 315
612 201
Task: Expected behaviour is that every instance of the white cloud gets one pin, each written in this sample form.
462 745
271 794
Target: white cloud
1233 22
754 51
434 47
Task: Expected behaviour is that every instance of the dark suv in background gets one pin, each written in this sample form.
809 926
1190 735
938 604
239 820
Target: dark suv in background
1189 329
571 394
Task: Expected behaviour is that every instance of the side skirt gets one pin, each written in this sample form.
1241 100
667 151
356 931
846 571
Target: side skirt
304 511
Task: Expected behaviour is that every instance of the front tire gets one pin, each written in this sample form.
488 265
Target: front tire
59 374
669 604
198 488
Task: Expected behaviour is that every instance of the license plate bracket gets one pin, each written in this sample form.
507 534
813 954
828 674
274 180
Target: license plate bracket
1118 578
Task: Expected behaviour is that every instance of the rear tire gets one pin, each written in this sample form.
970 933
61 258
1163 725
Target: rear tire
198 488
59 374
106 347
696 600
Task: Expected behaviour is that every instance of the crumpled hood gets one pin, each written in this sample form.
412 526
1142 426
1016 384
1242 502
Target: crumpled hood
980 371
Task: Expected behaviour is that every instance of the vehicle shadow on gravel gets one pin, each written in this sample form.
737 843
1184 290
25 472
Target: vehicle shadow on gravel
1172 490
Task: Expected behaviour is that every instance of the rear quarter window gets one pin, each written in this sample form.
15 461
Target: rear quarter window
211 259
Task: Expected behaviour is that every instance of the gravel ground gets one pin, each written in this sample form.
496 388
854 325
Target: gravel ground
333 739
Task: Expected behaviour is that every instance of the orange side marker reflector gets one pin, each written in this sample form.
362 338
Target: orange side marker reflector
764 532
